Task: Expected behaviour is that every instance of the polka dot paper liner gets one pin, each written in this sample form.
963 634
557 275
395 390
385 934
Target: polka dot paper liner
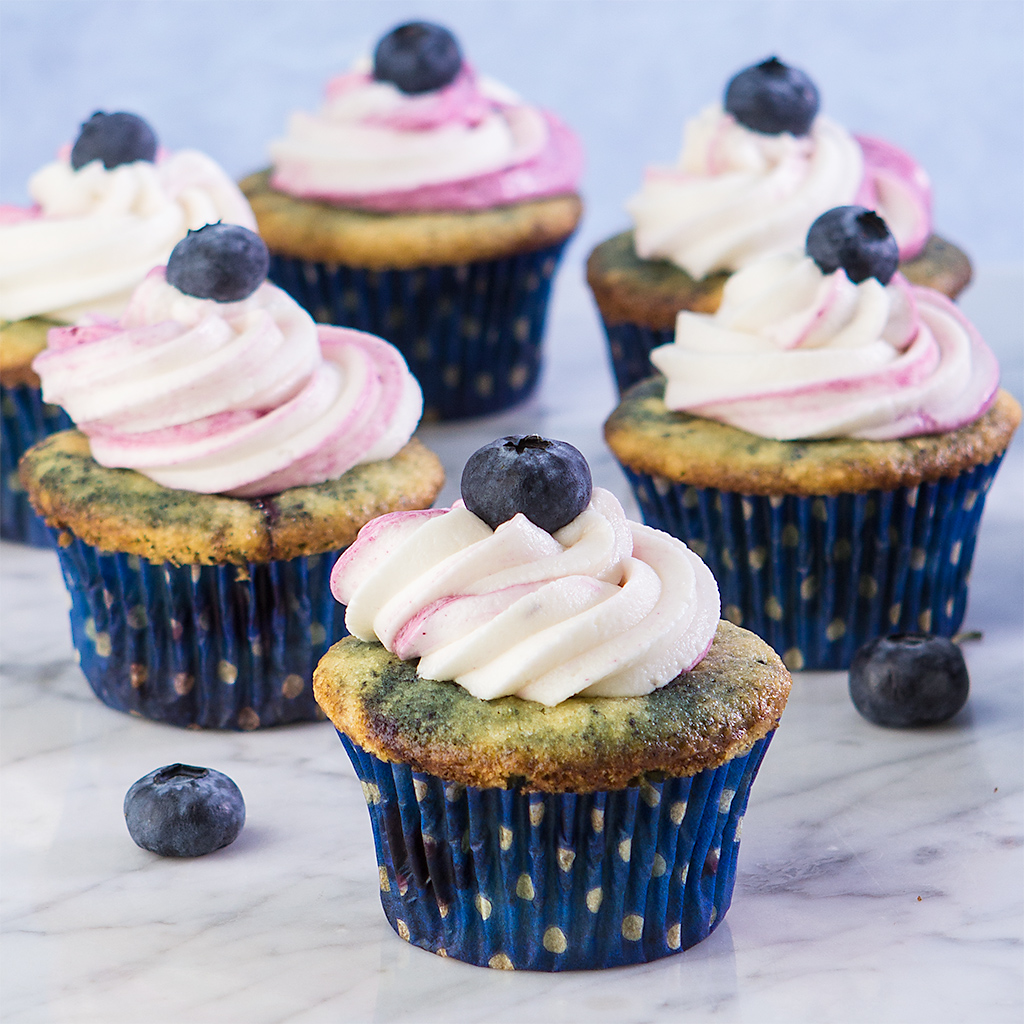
555 882
817 577
630 347
25 419
471 333
212 647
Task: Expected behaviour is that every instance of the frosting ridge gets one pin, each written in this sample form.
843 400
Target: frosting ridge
602 607
243 398
93 234
794 353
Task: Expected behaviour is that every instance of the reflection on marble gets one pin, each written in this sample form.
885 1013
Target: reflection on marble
880 876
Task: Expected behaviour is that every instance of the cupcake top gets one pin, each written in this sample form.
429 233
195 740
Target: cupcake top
416 129
215 381
829 343
533 585
755 172
107 211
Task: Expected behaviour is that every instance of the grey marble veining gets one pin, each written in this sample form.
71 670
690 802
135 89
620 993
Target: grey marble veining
880 874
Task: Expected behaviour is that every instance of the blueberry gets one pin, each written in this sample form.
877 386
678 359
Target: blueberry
548 481
115 139
856 239
225 262
184 811
908 679
772 98
417 57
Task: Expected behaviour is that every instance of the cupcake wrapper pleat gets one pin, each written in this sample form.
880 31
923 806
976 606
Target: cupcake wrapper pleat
630 347
817 577
555 882
213 647
26 418
471 333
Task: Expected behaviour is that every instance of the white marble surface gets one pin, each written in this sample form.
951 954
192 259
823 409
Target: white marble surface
880 877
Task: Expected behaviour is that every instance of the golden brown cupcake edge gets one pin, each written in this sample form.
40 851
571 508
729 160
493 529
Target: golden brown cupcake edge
325 232
699 720
121 510
647 438
20 342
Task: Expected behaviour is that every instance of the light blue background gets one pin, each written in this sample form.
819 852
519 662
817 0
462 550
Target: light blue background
943 79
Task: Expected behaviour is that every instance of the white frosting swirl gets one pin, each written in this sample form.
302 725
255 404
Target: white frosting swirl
794 353
97 233
243 398
602 607
738 195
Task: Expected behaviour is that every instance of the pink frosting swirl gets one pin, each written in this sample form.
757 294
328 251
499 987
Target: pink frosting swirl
469 145
602 607
241 398
793 353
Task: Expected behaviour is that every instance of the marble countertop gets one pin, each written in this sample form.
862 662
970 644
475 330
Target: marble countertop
880 876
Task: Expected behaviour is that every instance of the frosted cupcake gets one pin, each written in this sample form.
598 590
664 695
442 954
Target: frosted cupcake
227 449
106 211
825 441
430 205
555 734
753 174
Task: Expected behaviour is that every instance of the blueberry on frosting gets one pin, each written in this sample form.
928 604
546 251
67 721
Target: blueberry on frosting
115 139
548 481
224 262
772 98
856 239
418 56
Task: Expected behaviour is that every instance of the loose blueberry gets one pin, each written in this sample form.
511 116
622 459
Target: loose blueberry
856 239
115 139
184 811
772 98
417 57
548 481
908 679
225 262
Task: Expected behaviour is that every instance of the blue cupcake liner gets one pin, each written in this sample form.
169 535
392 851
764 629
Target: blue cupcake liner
24 419
817 577
470 333
555 882
211 647
630 347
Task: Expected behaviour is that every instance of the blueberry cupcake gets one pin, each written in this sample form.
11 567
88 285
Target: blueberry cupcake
429 205
753 174
227 450
825 441
106 211
555 733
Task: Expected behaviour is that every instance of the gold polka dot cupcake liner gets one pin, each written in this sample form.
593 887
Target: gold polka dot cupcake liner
470 333
24 419
817 577
201 646
556 881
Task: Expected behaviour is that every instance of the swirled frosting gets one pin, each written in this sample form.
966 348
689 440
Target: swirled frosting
94 233
602 607
737 195
241 398
795 353
470 145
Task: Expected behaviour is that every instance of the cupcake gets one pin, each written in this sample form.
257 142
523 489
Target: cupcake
555 734
428 205
752 176
825 441
107 210
227 449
